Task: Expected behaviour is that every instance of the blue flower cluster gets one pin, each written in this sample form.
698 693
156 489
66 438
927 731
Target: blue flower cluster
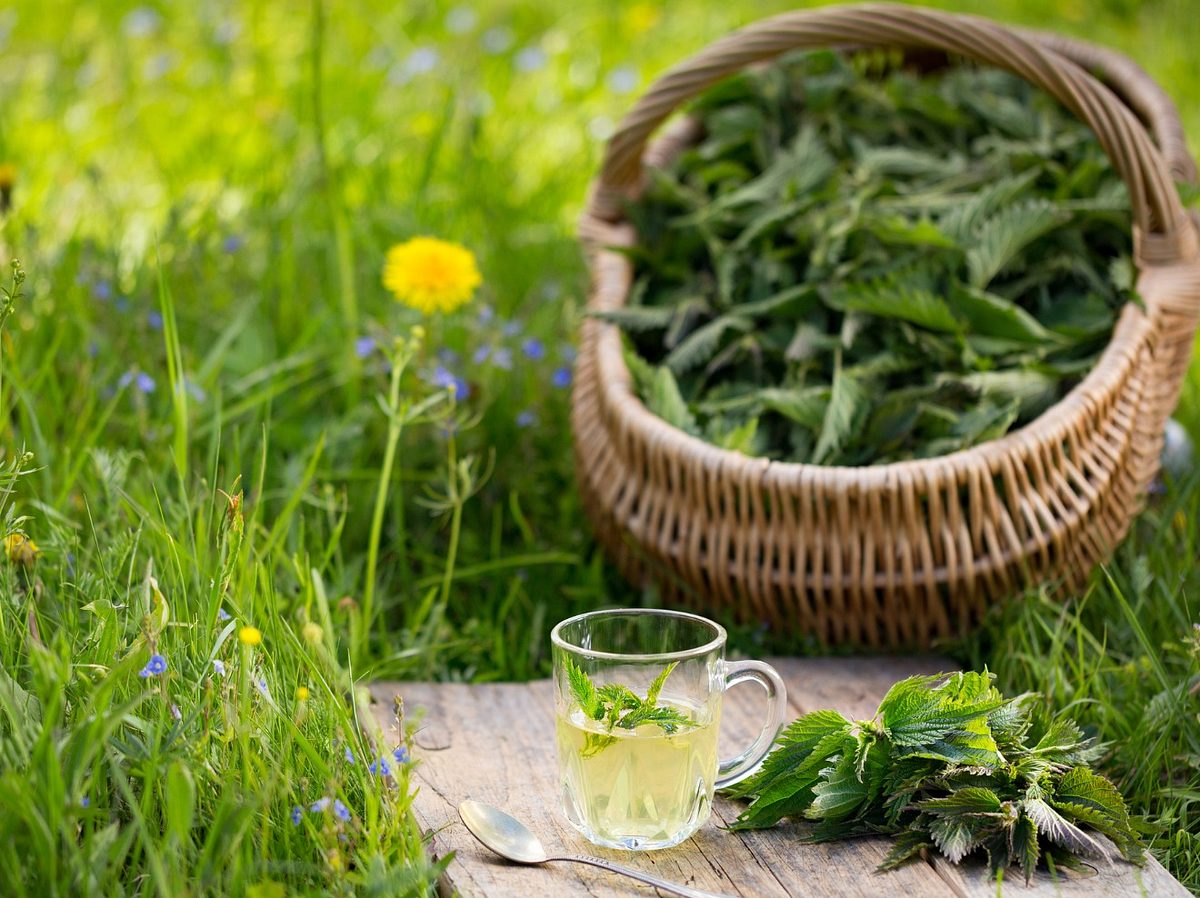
155 666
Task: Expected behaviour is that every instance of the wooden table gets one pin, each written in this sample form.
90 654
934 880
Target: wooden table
469 747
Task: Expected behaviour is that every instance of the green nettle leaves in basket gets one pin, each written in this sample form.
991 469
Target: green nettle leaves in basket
858 263
947 764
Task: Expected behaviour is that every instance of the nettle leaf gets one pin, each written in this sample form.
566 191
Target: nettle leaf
839 792
699 347
583 691
907 846
963 217
1025 846
737 439
954 837
657 684
1058 829
963 802
890 298
994 316
636 319
1001 238
669 719
848 404
668 403
804 406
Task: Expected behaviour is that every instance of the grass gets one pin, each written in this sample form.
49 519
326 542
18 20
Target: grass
207 373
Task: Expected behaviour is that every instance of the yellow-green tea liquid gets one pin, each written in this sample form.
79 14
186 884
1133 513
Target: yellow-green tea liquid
637 789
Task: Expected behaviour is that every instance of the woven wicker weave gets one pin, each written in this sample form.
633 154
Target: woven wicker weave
905 553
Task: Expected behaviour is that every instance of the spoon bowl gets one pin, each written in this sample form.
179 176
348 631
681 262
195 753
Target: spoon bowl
505 835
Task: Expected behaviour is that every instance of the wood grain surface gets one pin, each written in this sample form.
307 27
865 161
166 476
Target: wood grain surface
468 748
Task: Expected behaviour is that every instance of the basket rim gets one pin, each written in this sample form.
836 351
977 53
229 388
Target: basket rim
612 277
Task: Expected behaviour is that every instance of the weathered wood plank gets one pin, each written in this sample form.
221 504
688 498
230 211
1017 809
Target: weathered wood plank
495 743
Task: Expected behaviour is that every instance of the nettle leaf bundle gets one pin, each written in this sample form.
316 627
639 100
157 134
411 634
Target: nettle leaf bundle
858 264
946 764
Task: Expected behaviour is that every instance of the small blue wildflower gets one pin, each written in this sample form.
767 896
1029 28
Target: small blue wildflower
486 313
364 346
381 767
349 755
623 79
422 60
340 810
141 22
102 290
319 805
497 40
155 666
297 815
261 685
461 19
447 356
122 304
158 65
125 380
223 615
534 349
227 31
176 713
561 378
400 754
232 243
218 667
446 379
480 355
526 419
511 328
502 358
144 383
194 389
155 319
85 802
530 59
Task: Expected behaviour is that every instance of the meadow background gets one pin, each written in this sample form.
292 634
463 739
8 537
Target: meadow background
202 375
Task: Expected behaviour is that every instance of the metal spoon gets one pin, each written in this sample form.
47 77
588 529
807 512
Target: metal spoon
512 840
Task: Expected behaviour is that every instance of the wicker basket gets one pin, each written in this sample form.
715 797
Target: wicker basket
899 554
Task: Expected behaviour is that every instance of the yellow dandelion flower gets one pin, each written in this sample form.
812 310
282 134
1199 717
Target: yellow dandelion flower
21 550
312 633
642 17
301 693
8 175
250 636
431 275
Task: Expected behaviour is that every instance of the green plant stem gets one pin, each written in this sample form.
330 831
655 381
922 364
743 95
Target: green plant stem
395 426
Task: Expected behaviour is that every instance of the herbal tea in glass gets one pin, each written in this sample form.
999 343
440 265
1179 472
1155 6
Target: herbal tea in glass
638 703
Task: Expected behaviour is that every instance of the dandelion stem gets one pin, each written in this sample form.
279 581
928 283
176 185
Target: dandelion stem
395 426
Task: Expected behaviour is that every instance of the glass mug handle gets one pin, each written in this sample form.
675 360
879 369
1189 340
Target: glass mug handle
733 771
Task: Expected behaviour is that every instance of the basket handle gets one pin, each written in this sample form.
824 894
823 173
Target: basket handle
1163 232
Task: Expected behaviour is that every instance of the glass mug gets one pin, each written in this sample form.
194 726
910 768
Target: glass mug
641 775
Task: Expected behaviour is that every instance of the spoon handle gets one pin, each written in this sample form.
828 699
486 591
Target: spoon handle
666 886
